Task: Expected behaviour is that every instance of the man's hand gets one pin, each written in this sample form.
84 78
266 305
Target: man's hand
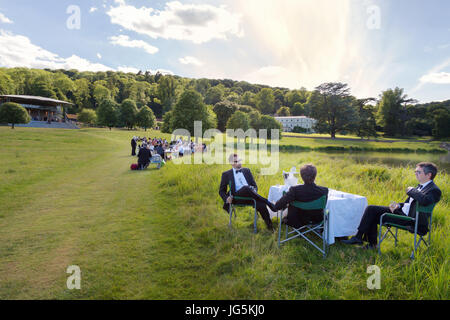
409 189
393 206
230 200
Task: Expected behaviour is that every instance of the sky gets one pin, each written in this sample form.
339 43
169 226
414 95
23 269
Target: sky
372 45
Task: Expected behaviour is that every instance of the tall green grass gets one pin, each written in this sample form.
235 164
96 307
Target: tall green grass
69 198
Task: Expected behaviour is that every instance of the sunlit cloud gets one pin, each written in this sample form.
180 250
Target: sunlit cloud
198 23
4 19
436 78
18 51
310 42
125 41
190 60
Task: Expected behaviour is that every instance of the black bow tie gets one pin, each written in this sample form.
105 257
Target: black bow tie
237 171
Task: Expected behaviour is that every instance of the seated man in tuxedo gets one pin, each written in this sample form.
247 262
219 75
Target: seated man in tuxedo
426 193
144 157
306 192
243 185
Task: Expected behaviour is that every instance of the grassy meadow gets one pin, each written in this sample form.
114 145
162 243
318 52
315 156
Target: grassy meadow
68 197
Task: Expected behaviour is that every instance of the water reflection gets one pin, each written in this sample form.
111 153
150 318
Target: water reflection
395 159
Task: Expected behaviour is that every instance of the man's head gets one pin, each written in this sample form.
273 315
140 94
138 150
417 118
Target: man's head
425 171
235 161
308 173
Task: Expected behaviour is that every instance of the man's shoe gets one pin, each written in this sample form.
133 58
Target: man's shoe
352 240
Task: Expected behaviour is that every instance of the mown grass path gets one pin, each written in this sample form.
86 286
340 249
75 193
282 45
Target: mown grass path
69 198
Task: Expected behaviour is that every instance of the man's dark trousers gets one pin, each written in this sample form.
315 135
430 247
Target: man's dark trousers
261 203
371 219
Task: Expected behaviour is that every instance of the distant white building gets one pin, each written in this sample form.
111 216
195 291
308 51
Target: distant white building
289 123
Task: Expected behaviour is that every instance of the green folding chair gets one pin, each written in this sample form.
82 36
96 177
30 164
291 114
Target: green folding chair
234 205
413 221
319 204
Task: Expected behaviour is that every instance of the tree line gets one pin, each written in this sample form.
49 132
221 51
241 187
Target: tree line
128 100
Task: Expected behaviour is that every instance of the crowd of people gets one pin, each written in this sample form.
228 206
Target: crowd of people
163 149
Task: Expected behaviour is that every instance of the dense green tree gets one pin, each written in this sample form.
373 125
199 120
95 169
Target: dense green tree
366 123
284 112
248 98
108 113
214 95
269 123
224 110
392 115
254 119
298 109
6 84
190 108
239 120
333 108
101 93
441 124
87 116
265 101
202 86
246 109
42 86
13 113
145 118
82 93
167 126
128 111
167 92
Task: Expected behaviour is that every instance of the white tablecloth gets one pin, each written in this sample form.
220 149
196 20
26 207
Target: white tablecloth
346 210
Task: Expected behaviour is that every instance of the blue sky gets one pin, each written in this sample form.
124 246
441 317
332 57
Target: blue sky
372 45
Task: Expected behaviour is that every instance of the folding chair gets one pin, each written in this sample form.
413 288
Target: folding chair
389 224
319 204
234 205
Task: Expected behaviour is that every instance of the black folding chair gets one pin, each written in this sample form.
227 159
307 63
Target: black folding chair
233 206
408 227
323 226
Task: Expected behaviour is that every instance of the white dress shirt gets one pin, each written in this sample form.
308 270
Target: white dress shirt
407 205
239 180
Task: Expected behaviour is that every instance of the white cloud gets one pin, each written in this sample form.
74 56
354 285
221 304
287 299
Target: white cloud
128 69
4 19
18 51
436 78
275 76
125 41
198 23
93 9
190 60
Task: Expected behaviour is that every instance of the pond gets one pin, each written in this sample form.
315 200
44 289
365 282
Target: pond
396 159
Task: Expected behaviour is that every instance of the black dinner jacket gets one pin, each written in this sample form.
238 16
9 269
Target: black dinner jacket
144 155
302 193
428 195
228 176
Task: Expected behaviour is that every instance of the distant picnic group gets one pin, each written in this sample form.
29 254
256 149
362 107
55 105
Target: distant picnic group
158 150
